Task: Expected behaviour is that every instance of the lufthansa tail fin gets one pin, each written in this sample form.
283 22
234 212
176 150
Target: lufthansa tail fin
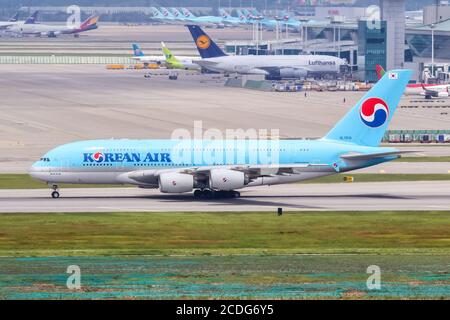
14 18
366 123
137 52
32 19
206 47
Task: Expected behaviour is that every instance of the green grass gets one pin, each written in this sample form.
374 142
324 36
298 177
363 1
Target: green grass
379 177
189 233
23 181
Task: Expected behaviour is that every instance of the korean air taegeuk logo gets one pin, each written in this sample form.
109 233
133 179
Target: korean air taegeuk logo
374 112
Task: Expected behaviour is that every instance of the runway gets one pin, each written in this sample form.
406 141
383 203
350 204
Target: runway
297 197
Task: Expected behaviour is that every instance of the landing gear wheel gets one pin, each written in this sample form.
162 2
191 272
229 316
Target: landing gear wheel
235 194
198 194
55 194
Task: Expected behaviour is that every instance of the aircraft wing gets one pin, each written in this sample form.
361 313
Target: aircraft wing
150 177
257 171
371 156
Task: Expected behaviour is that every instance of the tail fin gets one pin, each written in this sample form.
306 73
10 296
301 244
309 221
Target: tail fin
90 22
224 14
256 13
171 60
166 13
247 14
366 123
14 18
32 19
176 13
156 13
137 52
380 71
187 13
168 54
241 15
206 47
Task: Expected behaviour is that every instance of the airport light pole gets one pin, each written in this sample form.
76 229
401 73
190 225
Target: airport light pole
287 29
432 49
339 40
304 27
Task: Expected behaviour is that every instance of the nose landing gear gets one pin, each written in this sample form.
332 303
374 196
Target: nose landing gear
55 193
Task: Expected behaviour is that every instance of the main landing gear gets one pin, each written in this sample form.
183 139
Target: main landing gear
212 194
55 193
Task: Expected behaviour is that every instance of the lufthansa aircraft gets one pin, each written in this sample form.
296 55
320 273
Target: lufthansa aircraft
271 66
178 166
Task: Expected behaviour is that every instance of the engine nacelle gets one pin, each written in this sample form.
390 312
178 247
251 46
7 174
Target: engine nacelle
176 183
225 180
291 73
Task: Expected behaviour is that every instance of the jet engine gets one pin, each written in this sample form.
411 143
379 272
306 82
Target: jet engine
176 183
226 180
50 34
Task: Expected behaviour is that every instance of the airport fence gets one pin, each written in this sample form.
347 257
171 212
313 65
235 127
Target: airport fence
65 60
422 136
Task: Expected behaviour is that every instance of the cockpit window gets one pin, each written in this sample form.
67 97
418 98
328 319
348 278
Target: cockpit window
45 159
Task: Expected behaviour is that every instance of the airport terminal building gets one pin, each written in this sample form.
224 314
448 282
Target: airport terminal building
391 41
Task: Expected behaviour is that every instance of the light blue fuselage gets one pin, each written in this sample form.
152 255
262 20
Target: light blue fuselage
76 162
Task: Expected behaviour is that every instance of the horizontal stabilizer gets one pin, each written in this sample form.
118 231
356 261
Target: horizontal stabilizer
371 156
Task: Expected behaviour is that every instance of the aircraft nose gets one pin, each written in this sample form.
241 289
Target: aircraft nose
36 172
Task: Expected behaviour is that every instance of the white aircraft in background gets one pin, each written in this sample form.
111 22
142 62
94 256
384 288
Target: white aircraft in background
51 31
140 56
167 58
6 25
12 21
429 91
271 66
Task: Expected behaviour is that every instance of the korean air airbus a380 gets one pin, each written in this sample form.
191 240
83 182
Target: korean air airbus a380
352 144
